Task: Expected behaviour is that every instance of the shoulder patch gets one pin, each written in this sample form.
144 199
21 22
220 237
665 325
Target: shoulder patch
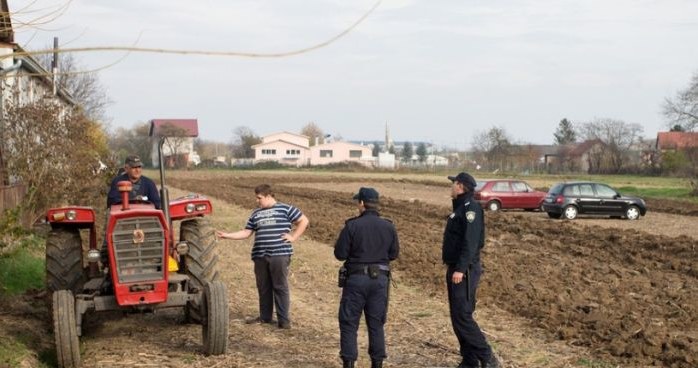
470 216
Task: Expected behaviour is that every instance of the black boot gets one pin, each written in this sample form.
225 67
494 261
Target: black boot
376 363
493 362
347 363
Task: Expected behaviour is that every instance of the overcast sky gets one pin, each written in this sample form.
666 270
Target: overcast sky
435 70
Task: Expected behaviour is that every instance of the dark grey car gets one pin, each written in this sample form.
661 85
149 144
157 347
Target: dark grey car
570 199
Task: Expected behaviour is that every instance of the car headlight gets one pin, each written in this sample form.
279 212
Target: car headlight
201 207
71 215
190 208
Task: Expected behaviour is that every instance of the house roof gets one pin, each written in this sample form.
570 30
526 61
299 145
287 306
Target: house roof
277 141
676 140
343 143
285 132
583 147
190 125
7 34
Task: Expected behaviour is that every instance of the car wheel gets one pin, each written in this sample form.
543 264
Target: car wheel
493 206
570 212
554 215
632 213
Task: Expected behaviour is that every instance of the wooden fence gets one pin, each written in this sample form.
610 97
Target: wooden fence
10 197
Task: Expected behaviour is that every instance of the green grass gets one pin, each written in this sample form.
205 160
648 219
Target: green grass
21 270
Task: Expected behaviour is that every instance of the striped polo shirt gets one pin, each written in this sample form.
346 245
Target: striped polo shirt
269 224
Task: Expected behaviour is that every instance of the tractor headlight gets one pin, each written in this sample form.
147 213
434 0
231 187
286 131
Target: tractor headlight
71 215
201 207
182 248
190 208
93 255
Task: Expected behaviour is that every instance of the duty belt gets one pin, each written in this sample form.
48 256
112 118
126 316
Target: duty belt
363 269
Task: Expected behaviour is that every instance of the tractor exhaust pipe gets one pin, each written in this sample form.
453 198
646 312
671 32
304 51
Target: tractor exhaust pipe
125 188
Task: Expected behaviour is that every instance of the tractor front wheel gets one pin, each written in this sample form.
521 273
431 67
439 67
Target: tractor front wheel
215 325
65 329
64 269
200 262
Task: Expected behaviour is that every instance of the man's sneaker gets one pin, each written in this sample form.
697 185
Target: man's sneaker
285 325
250 321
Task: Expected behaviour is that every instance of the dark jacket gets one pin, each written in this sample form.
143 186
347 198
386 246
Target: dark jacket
367 239
465 233
143 187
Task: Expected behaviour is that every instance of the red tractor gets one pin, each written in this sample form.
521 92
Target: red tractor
146 269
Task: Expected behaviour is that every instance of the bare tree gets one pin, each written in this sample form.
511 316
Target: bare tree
85 88
133 141
243 141
494 146
682 110
314 133
617 137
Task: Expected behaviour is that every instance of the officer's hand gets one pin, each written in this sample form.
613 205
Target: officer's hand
457 277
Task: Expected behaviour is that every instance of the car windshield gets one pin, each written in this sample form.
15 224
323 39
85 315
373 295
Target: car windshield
480 184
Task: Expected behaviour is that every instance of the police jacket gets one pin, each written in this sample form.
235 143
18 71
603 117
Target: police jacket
144 187
367 239
465 233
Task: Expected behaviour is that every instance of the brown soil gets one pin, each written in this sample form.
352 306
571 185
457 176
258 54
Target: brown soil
592 292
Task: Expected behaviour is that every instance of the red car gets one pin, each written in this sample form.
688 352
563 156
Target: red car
508 194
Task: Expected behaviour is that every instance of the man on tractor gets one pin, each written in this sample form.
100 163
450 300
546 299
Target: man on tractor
144 188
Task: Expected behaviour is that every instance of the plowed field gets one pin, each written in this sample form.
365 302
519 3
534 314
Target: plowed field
583 293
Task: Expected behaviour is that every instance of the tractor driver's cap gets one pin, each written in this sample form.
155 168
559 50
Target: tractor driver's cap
133 161
464 178
366 194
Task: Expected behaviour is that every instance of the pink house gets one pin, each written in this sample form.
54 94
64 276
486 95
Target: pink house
294 150
283 147
334 152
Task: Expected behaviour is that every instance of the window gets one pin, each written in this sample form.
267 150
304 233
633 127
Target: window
501 186
268 151
519 186
293 152
325 153
572 190
586 190
355 153
605 192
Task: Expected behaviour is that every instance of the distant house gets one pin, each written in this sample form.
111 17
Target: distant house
587 156
294 150
176 151
676 141
339 151
283 147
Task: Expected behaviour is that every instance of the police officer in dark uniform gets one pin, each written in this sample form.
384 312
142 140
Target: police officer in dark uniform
463 238
367 244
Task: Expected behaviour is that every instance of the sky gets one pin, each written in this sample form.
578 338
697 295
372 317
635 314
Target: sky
437 71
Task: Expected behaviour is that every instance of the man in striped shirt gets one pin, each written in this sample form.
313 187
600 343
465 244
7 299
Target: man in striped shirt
273 225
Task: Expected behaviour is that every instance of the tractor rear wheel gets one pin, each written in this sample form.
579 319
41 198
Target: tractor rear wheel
65 329
215 325
64 269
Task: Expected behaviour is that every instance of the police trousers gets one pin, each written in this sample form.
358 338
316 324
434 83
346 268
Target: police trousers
370 296
461 303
